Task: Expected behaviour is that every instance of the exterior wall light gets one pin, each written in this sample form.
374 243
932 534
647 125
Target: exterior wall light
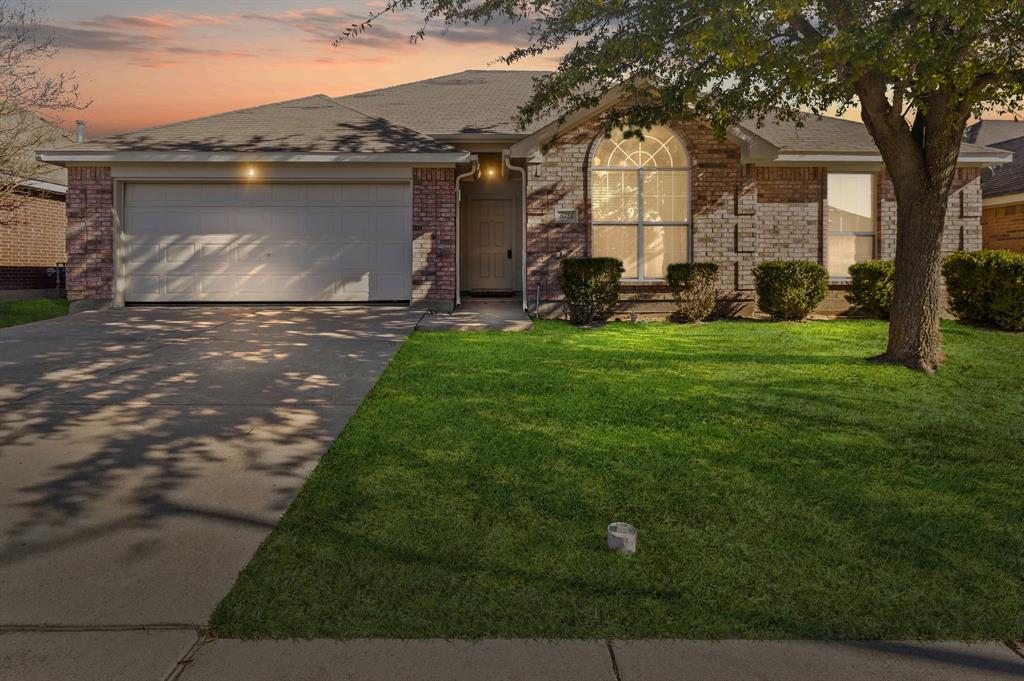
251 171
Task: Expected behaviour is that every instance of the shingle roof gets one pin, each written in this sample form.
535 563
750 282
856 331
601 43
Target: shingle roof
1009 178
989 131
826 133
459 103
312 125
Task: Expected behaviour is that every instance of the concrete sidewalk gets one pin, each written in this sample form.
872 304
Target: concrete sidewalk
180 654
512 660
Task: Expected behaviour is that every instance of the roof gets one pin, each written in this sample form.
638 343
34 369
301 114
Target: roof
990 131
470 102
35 132
418 118
1007 179
825 133
310 125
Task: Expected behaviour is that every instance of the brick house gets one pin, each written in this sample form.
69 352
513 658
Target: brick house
1002 187
33 226
427 192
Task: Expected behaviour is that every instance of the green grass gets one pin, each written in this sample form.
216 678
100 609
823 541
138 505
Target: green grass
782 487
17 312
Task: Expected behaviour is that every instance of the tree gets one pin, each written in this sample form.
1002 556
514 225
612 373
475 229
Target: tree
30 99
919 70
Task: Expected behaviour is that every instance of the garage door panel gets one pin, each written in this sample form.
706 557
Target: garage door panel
267 242
388 286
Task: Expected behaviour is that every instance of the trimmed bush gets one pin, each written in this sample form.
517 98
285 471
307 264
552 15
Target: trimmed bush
591 288
871 287
790 289
694 288
986 287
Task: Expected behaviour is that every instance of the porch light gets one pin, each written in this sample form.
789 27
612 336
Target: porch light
250 171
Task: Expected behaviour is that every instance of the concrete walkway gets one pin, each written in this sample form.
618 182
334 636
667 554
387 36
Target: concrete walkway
144 455
480 314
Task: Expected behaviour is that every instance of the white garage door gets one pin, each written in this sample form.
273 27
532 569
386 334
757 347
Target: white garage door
266 242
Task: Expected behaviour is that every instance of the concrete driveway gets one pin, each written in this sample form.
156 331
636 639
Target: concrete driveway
145 453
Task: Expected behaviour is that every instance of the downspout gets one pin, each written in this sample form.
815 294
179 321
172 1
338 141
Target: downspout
473 172
506 159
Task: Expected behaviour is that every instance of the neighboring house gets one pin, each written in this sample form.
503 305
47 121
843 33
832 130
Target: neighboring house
33 227
376 197
1002 187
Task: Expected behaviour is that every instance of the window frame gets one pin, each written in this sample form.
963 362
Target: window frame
640 222
874 221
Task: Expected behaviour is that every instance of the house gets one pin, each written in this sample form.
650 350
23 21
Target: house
33 220
427 192
1002 187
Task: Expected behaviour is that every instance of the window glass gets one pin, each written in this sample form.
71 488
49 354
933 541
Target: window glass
845 250
666 195
851 221
640 201
615 196
617 241
663 245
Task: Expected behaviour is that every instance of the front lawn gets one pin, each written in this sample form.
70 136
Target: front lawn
16 312
782 487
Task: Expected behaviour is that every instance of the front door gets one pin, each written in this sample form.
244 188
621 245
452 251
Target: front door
490 246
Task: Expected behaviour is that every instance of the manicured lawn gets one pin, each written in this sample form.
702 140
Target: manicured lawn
782 487
17 312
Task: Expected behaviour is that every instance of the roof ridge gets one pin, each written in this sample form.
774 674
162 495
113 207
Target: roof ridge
446 75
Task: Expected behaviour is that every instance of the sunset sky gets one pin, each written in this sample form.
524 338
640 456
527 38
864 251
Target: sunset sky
147 62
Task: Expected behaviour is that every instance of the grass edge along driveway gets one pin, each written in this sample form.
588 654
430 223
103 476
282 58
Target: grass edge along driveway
15 312
783 487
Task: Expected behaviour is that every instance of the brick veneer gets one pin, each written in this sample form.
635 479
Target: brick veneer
433 237
1003 227
90 206
963 214
32 238
741 215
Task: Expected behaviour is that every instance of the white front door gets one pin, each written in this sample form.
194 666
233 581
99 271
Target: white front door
267 242
490 246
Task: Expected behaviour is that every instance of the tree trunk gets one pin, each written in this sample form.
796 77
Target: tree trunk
914 337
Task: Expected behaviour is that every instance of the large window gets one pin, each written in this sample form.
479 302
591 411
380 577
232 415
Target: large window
641 202
851 221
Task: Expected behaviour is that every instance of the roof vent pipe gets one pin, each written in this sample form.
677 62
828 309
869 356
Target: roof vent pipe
79 131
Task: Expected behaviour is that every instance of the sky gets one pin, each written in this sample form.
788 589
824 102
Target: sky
148 62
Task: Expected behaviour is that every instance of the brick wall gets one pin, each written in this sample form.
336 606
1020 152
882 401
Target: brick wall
1002 227
32 238
741 215
90 207
433 236
963 214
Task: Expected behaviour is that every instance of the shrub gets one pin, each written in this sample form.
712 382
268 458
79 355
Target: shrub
871 286
693 287
790 289
591 288
986 287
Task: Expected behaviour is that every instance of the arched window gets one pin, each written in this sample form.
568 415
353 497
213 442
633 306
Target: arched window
640 203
